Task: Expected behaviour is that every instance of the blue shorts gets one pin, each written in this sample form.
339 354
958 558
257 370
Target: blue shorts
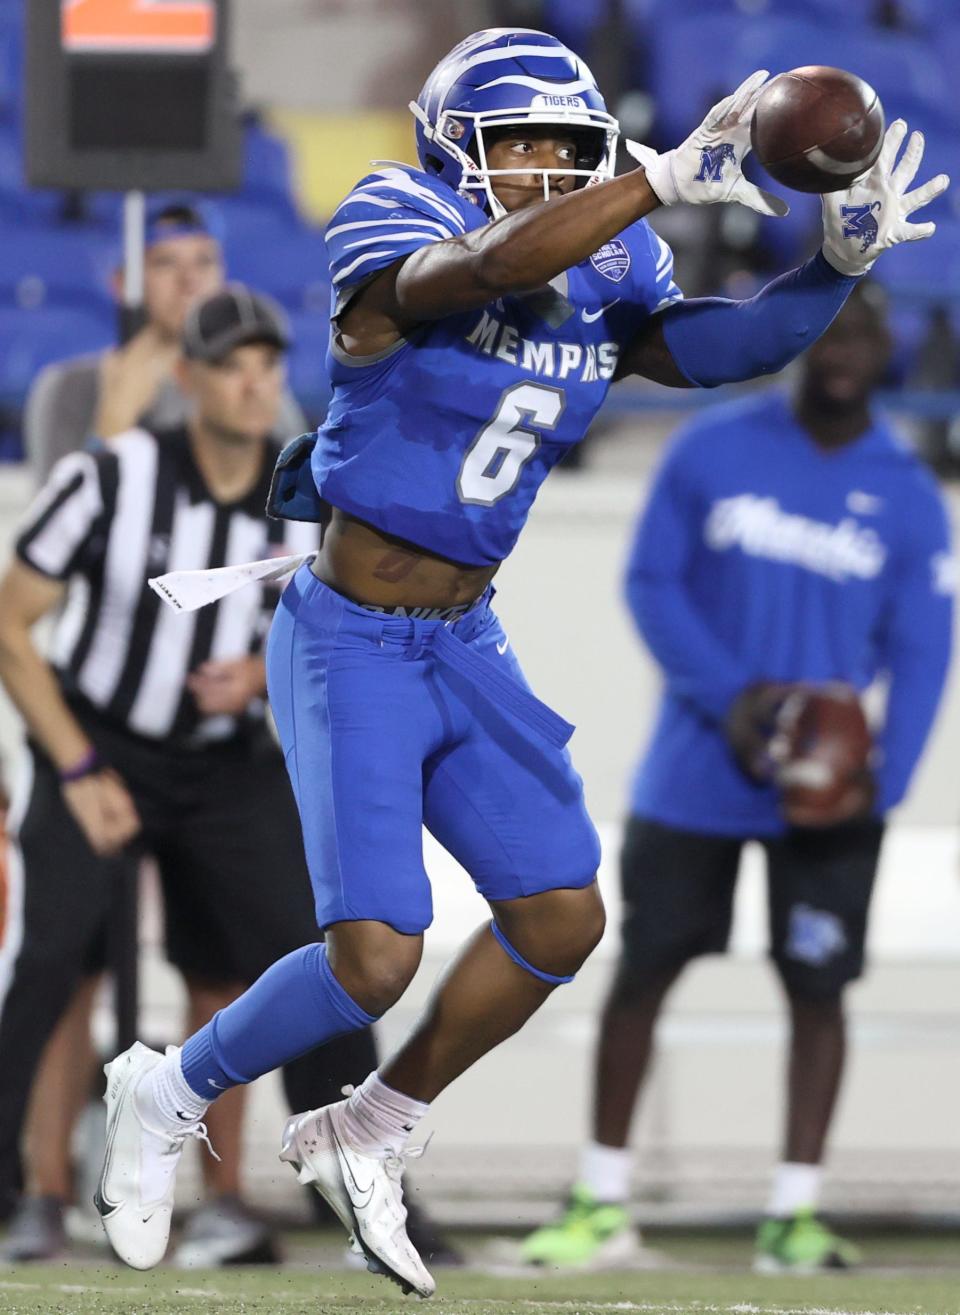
390 723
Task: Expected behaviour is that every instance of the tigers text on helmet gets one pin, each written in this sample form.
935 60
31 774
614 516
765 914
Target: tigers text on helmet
499 78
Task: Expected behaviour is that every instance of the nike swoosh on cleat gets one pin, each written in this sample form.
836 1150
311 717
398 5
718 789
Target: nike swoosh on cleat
184 1118
588 316
365 1192
105 1208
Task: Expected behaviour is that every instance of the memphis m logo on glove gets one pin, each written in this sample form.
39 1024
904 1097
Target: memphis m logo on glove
874 213
858 221
712 160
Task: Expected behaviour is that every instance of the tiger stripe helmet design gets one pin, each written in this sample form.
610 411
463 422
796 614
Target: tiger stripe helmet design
502 77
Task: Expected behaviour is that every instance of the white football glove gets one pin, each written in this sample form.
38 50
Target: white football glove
871 216
706 167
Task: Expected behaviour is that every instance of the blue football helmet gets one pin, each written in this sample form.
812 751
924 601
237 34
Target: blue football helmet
502 77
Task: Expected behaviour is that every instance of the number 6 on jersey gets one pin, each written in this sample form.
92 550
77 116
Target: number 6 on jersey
493 462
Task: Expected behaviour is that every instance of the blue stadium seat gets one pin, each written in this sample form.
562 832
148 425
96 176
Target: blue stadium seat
31 339
946 48
698 59
850 12
11 59
307 366
56 267
574 21
256 219
22 203
790 240
941 154
687 73
267 172
924 271
910 328
292 267
928 15
893 62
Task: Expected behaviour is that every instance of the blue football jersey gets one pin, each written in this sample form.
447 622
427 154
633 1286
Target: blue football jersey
445 438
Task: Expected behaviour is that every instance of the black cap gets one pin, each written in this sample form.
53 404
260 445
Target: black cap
232 318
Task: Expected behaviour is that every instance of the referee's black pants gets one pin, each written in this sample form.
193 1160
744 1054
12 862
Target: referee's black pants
222 825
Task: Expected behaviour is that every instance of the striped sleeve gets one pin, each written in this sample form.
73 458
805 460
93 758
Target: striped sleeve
662 291
387 216
57 526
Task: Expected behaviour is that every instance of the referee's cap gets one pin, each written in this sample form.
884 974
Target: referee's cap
233 317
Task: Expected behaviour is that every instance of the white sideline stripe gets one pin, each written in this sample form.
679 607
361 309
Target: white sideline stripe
205 1294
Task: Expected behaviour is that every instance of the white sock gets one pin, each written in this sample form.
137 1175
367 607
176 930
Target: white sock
606 1171
378 1120
795 1187
164 1096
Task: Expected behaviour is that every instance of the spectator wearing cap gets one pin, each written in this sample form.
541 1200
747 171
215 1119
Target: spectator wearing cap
146 735
101 396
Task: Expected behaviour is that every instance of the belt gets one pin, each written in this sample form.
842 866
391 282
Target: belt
500 689
189 590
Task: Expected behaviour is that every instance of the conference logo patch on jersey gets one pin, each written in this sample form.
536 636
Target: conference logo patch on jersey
612 260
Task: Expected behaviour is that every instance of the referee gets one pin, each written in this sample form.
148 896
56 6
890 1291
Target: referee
147 734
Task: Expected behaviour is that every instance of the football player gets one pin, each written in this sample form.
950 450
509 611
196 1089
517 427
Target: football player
787 541
483 304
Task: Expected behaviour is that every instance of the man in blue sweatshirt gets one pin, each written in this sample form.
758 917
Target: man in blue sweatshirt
785 540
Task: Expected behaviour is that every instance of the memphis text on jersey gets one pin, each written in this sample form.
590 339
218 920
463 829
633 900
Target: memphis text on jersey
556 360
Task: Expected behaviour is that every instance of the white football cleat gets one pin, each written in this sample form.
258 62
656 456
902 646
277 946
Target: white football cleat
135 1193
363 1191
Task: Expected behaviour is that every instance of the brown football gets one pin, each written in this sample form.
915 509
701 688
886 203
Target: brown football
817 129
823 750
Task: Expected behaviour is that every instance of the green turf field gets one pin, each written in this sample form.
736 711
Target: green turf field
908 1276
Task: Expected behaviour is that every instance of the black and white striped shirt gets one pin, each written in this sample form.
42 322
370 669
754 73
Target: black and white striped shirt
104 523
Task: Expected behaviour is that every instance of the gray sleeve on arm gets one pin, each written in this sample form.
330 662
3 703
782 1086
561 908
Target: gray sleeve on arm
58 416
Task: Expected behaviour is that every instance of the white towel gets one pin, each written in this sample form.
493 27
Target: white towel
185 591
